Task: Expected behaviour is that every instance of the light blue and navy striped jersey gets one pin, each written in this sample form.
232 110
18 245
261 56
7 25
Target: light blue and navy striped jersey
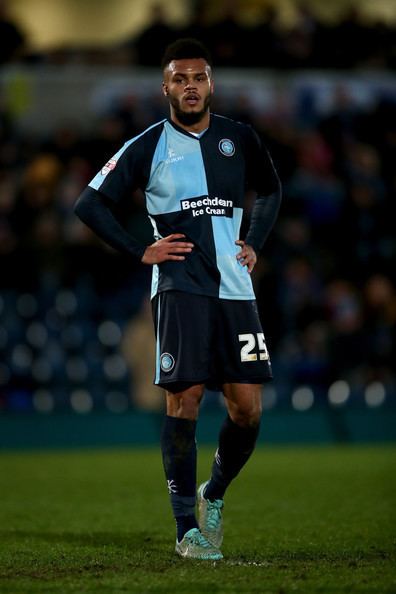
194 185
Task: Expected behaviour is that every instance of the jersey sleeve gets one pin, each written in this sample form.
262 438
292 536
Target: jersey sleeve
261 173
123 173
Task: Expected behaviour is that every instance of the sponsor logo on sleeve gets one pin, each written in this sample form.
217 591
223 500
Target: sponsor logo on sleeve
110 165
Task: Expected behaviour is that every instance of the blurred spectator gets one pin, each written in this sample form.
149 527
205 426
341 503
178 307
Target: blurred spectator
198 24
297 43
139 349
308 41
329 264
264 39
379 325
345 316
150 43
227 38
351 48
12 39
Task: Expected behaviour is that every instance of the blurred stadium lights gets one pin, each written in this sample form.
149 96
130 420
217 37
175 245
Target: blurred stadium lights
115 367
37 334
66 303
76 369
42 370
52 320
3 337
375 394
339 392
48 399
43 401
4 374
302 398
81 401
109 333
269 397
72 337
116 402
22 357
26 305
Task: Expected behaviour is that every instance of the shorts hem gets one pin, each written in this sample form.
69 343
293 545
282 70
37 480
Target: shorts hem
191 382
213 383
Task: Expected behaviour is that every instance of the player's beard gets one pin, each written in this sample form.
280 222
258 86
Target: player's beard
189 118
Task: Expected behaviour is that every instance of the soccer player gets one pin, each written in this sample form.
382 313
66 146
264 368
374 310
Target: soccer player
194 169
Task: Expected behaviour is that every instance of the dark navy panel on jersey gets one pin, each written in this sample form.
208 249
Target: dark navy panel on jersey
195 186
208 340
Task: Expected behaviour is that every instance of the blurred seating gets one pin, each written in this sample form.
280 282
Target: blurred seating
349 39
325 281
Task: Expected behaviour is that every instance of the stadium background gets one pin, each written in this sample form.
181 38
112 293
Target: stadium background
76 340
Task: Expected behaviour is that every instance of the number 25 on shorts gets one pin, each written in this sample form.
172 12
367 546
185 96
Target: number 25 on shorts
253 344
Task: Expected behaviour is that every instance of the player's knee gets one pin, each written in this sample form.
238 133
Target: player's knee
247 415
189 406
185 405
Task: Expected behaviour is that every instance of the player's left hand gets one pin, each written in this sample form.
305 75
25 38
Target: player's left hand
247 255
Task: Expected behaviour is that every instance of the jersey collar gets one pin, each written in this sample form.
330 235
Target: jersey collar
186 133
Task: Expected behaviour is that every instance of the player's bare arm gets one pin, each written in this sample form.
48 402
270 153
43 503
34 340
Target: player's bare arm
167 248
247 256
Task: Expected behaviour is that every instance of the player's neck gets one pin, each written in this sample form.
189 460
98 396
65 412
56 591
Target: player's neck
196 128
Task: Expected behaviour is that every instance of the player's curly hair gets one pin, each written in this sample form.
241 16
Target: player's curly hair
185 48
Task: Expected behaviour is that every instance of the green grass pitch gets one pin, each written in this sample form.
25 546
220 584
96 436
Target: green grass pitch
297 520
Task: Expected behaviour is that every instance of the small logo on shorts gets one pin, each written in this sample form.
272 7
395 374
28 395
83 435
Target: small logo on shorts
167 362
110 165
226 147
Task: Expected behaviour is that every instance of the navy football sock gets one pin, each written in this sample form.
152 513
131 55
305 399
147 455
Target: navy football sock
179 456
184 524
236 444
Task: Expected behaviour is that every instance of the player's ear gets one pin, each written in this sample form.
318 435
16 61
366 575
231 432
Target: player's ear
165 89
211 87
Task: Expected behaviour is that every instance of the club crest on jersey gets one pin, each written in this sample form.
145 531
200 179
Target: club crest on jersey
110 165
167 362
226 147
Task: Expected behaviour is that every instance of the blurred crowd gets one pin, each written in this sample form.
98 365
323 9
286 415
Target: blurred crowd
307 41
74 314
75 322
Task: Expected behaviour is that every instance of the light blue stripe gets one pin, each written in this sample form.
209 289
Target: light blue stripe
155 271
176 154
157 362
154 280
99 178
235 281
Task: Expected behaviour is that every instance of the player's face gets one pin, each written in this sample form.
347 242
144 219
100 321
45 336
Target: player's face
189 86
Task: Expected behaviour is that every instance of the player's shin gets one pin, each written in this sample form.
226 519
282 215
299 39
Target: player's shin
179 457
236 445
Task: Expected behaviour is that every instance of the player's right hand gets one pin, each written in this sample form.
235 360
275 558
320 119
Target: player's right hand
167 248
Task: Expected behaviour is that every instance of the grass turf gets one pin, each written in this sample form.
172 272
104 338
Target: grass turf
298 520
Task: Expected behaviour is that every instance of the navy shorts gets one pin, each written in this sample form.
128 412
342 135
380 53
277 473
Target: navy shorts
207 340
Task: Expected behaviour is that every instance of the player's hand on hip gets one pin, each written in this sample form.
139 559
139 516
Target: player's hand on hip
247 255
167 248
